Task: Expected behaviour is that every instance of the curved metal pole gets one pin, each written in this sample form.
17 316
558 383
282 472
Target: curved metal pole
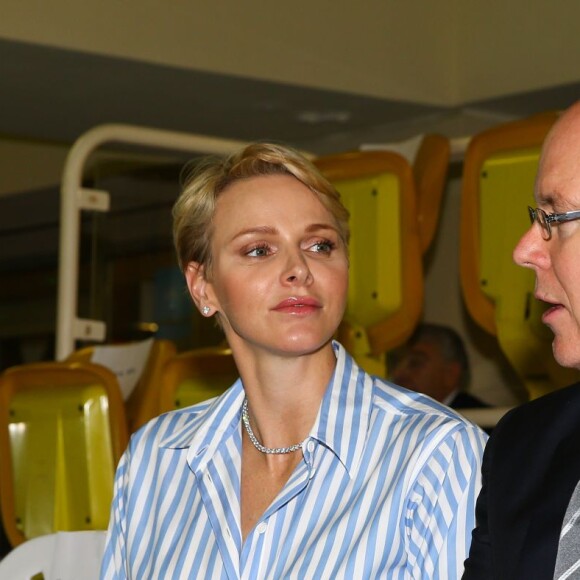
68 326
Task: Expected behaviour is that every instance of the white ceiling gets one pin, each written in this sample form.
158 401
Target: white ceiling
55 94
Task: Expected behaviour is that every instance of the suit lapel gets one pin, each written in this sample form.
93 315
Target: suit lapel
551 497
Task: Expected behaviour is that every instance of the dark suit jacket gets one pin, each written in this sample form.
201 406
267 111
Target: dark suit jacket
464 400
530 468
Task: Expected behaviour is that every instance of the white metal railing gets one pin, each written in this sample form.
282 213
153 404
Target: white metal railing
75 198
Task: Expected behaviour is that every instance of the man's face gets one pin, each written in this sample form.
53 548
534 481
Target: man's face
556 262
423 369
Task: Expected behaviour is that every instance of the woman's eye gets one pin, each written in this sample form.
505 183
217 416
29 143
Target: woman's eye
324 247
258 252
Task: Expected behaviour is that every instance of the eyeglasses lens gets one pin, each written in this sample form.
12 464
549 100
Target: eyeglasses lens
540 216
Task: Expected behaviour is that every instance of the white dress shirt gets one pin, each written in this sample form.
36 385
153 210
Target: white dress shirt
386 489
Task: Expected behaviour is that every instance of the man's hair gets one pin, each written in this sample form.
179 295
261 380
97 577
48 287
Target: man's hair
450 346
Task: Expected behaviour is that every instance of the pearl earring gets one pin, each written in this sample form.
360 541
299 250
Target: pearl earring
205 310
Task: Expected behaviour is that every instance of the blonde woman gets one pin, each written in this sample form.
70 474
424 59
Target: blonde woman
306 467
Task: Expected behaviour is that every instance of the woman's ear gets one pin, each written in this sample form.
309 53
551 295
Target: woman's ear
196 283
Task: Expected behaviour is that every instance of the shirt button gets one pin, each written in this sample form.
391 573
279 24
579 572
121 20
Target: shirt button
310 446
262 528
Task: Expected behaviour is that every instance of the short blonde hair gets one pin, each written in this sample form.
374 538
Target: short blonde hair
207 179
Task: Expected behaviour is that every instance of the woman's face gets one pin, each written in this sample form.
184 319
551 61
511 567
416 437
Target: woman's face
279 273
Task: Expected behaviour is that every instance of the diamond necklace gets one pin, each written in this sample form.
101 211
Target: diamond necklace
254 440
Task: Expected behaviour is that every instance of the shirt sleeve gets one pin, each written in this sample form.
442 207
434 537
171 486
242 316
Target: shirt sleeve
441 508
114 564
478 565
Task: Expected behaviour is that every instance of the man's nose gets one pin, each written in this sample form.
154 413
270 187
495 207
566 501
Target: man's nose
532 250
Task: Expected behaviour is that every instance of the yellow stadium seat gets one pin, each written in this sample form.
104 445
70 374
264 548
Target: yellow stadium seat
498 184
197 375
142 403
430 168
62 432
385 296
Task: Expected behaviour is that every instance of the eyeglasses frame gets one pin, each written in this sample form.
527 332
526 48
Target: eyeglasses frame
545 219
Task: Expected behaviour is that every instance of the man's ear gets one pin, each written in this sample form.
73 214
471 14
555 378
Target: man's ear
197 283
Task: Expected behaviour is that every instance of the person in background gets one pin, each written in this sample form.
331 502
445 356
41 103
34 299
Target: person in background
307 467
5 546
528 512
434 362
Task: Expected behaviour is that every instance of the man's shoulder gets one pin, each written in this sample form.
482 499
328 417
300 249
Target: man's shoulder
549 416
532 456
553 402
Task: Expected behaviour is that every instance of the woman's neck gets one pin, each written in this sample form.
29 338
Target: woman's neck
284 393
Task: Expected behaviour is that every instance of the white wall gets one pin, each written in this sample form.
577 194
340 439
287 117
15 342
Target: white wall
505 47
446 53
27 165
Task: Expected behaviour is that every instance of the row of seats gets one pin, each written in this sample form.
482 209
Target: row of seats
64 426
394 204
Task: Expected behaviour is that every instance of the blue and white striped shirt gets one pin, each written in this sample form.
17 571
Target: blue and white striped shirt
386 489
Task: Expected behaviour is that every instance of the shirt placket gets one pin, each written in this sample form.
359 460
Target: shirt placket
217 513
260 541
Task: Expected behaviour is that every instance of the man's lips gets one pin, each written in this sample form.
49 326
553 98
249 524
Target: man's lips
297 304
547 314
550 306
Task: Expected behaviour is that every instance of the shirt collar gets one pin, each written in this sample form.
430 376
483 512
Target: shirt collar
341 424
207 426
344 416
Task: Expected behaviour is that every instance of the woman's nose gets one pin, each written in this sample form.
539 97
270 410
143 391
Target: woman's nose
297 270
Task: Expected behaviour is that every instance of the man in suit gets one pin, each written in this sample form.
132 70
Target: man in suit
434 362
532 462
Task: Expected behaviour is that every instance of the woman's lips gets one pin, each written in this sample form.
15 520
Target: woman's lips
297 305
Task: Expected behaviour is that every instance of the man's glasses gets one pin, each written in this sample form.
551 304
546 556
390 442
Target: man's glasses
546 219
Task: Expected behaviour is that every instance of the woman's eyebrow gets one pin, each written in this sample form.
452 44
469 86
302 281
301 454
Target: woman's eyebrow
260 230
318 227
269 230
